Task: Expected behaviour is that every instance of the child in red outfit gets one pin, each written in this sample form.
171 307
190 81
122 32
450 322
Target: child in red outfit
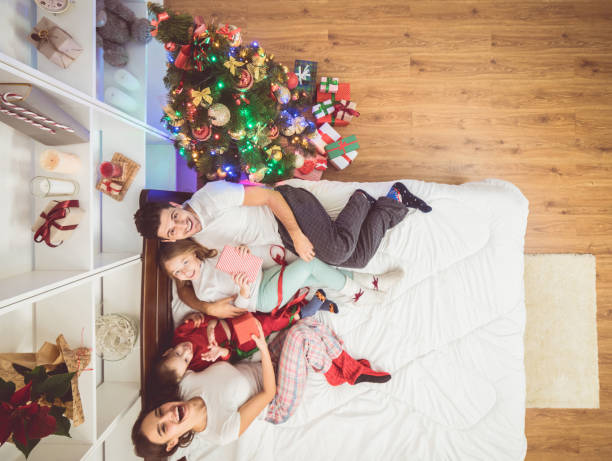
215 339
202 340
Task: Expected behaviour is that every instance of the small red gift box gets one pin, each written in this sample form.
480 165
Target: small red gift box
245 326
344 92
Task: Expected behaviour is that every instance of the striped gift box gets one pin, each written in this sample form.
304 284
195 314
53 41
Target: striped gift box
232 263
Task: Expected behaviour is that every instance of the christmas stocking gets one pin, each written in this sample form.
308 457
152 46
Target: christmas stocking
345 369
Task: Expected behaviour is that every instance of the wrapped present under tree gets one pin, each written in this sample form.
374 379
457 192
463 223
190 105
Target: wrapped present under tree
342 152
322 109
343 93
328 85
324 135
306 72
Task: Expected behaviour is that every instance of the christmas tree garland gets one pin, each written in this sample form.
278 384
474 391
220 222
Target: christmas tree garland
231 107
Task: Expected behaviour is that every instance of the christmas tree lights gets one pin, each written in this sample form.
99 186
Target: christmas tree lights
230 105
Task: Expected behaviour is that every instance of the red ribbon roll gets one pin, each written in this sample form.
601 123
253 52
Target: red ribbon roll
59 211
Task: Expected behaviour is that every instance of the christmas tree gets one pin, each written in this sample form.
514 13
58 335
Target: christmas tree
231 107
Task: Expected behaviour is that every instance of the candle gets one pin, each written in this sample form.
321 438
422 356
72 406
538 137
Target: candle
43 186
59 162
111 170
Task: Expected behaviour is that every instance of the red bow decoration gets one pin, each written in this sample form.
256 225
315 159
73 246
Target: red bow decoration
183 60
59 211
161 17
230 34
111 187
318 163
338 106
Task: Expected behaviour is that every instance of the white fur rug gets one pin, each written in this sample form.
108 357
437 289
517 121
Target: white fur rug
561 331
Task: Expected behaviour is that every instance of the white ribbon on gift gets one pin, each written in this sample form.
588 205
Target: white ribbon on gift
303 75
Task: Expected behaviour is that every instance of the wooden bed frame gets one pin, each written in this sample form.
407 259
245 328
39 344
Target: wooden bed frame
156 325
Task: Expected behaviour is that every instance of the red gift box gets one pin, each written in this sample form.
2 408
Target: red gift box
344 92
245 326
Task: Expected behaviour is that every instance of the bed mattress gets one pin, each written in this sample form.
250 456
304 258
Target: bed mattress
451 335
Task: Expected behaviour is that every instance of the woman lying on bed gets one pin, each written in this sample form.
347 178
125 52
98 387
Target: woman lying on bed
217 405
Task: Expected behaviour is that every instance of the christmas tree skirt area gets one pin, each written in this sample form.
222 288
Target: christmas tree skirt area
561 332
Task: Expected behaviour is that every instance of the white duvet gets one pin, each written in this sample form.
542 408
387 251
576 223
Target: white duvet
451 335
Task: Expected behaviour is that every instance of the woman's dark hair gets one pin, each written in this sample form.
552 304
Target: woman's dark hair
169 250
142 445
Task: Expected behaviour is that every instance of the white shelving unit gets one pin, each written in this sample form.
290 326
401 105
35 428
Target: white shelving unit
47 291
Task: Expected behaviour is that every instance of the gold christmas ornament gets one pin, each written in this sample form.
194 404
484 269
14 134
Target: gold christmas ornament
218 114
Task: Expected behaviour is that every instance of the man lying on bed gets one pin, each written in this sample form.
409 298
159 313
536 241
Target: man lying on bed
224 213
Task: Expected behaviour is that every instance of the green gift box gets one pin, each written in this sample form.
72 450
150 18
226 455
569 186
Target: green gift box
342 152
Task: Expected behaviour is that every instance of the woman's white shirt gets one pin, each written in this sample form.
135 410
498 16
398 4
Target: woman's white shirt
224 388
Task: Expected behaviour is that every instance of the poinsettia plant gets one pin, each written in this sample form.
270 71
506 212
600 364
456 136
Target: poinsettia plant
27 415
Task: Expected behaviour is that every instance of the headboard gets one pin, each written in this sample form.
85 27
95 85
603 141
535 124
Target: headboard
156 296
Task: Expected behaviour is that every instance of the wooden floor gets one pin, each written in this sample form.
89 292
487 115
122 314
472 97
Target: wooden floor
455 91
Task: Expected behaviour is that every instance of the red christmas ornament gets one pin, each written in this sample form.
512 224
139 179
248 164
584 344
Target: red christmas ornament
203 133
292 80
170 46
272 131
246 80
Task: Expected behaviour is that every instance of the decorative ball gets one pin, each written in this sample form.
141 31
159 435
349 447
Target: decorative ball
277 156
258 175
292 80
220 173
115 336
236 39
236 135
300 124
283 95
218 114
272 131
170 46
246 80
202 133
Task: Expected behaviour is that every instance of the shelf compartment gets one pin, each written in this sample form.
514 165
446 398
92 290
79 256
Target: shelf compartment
114 224
25 329
18 19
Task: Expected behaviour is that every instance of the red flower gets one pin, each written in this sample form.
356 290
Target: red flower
24 420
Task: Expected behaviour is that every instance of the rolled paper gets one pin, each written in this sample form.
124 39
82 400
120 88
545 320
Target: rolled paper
59 162
43 186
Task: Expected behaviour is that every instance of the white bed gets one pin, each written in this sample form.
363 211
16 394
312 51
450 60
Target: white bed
452 337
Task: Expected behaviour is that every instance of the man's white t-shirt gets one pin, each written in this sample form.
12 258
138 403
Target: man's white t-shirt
225 221
224 388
